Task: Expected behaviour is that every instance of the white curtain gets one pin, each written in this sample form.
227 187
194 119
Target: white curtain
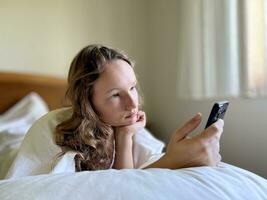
221 52
255 41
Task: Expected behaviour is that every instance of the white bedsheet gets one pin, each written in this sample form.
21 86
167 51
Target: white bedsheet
223 182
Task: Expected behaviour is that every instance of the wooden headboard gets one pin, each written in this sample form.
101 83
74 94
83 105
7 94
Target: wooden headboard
14 86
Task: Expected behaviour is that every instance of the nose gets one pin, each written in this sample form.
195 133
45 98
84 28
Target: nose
131 102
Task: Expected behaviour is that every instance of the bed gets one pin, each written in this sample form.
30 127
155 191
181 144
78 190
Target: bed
24 98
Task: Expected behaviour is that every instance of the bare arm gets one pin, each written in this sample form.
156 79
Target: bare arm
124 142
123 149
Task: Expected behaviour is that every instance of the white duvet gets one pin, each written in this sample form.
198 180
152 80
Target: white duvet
222 182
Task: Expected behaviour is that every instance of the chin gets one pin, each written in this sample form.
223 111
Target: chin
124 123
128 123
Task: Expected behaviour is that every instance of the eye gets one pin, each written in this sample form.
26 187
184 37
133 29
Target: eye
115 95
133 88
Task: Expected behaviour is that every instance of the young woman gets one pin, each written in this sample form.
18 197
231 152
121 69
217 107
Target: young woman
105 115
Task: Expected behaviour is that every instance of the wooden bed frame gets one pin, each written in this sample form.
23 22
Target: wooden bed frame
14 86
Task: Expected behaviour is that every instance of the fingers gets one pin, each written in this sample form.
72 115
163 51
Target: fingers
219 158
215 130
187 128
141 118
209 139
140 115
134 126
216 153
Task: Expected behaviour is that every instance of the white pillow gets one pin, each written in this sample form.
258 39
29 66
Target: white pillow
14 124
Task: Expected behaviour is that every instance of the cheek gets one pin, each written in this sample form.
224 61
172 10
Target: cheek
109 112
136 98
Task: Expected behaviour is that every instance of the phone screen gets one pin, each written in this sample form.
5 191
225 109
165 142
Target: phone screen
217 112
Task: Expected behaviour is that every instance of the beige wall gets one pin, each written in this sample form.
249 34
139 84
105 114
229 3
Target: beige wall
43 36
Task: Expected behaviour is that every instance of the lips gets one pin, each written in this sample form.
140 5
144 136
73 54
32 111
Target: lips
131 115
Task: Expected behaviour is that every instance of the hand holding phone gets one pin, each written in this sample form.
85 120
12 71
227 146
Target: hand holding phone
217 112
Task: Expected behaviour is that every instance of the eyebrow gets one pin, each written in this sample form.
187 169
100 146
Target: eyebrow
110 90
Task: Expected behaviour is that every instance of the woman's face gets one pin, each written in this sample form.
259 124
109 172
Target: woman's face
115 97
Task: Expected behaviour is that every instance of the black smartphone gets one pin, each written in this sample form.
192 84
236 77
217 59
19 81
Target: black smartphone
217 112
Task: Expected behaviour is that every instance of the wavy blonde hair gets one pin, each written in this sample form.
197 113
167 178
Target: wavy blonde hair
84 132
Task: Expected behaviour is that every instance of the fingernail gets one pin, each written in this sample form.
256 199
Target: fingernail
197 116
221 122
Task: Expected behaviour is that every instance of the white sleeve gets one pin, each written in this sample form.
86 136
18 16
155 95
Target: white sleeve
65 164
146 148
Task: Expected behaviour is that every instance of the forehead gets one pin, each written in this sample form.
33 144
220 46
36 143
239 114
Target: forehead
117 74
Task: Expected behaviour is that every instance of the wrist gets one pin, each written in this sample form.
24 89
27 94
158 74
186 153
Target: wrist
163 162
123 135
123 140
123 148
166 161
